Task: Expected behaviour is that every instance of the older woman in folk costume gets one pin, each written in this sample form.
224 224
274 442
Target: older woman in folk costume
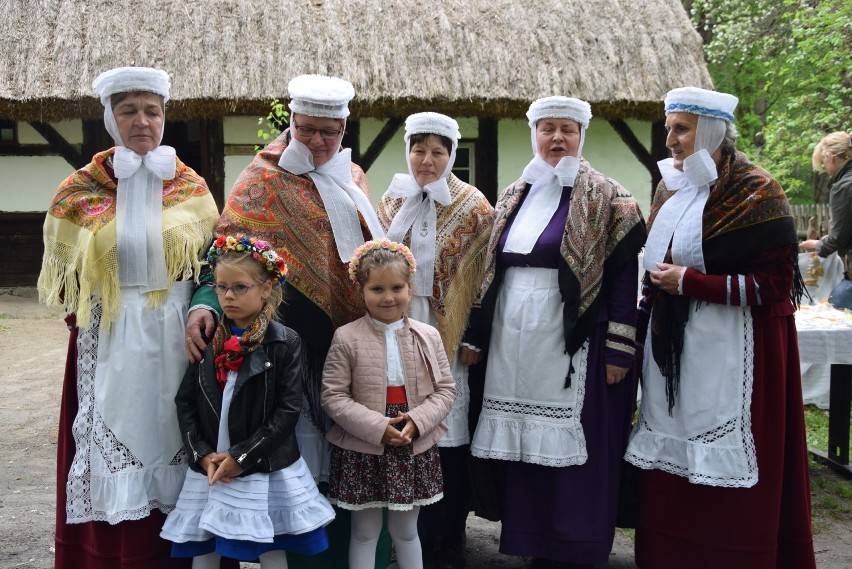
123 238
446 222
720 437
560 289
303 194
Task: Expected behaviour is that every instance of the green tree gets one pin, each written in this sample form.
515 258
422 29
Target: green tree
789 63
273 124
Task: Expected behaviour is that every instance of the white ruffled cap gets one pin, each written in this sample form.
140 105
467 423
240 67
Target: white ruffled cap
432 123
559 107
126 79
320 96
699 101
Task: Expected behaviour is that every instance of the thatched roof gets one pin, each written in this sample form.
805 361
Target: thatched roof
474 57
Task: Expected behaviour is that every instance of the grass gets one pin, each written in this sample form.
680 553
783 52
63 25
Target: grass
831 494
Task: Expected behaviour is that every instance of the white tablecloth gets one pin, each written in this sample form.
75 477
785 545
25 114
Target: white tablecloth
825 338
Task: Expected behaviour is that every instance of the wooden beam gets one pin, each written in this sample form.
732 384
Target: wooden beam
64 148
213 158
375 149
352 140
27 150
486 159
659 151
633 143
95 138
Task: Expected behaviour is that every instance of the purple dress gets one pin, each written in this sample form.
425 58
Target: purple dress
568 513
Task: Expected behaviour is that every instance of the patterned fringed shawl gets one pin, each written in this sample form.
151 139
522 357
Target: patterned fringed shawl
80 251
603 231
287 211
747 213
462 232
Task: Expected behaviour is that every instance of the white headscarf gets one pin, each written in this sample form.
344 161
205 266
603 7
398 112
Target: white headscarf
547 181
684 211
418 212
139 206
328 97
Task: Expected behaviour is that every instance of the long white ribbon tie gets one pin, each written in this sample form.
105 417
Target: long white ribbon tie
679 221
542 202
343 200
139 215
419 213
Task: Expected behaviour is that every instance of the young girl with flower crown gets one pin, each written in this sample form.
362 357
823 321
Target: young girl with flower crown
387 385
248 493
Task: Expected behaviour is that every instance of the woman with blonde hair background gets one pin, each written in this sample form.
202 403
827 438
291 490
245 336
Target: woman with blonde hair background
833 153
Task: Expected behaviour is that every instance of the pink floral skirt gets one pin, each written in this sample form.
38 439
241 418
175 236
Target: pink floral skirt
397 479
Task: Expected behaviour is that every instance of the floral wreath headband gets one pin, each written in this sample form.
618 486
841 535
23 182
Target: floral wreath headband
261 251
374 245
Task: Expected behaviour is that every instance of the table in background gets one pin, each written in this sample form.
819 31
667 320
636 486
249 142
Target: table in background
825 337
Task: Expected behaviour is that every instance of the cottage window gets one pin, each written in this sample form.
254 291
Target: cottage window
464 164
8 132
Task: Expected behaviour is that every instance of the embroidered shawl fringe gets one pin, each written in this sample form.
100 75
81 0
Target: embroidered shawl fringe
460 297
70 279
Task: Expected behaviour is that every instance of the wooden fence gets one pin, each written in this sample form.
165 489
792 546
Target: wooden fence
803 213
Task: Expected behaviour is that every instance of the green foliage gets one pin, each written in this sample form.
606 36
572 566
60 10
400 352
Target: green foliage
273 124
789 63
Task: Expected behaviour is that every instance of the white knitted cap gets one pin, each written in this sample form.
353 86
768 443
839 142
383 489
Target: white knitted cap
432 123
320 96
559 107
126 79
701 102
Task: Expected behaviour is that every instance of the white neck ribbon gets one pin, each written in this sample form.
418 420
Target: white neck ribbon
419 214
139 215
343 200
679 221
542 202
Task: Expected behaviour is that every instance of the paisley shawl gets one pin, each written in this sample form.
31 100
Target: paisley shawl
80 252
462 231
286 210
603 231
747 213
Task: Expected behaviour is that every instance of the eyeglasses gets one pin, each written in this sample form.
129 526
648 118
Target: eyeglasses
309 132
238 289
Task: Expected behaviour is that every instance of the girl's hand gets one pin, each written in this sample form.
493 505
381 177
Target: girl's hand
208 463
410 430
394 437
667 277
227 469
615 374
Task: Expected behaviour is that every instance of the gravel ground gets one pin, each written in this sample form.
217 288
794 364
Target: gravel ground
33 341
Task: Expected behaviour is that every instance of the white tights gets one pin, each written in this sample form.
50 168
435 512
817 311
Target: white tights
275 559
366 527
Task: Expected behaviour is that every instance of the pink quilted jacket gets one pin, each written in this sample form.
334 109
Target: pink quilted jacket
354 388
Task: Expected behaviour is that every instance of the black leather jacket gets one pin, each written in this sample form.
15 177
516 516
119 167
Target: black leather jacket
264 409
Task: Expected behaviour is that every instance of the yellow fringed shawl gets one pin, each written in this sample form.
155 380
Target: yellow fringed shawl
80 252
462 232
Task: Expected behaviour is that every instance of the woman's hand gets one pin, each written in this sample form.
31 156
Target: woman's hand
393 436
615 374
667 277
199 325
809 245
469 357
226 469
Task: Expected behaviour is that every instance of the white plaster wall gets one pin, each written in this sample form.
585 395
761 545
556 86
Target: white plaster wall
28 183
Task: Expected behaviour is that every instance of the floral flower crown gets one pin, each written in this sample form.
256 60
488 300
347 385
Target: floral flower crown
260 250
380 244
